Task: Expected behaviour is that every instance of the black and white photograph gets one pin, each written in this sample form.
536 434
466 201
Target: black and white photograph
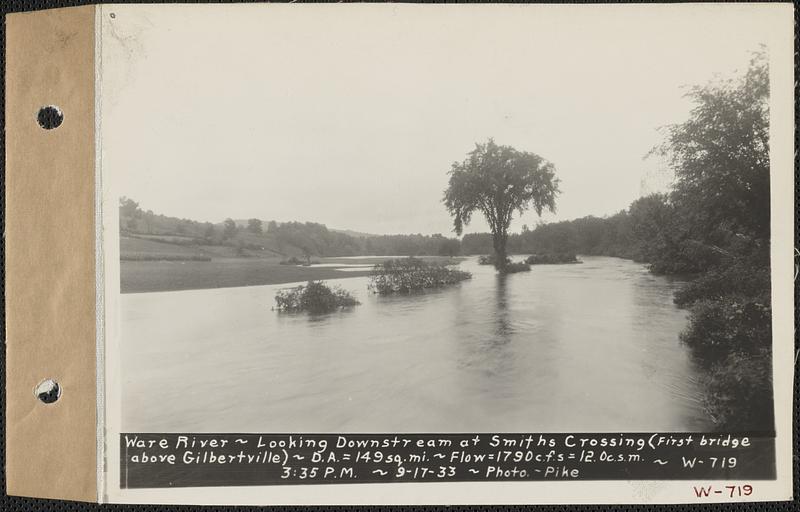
444 220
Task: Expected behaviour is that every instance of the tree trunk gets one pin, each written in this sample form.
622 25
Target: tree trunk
499 242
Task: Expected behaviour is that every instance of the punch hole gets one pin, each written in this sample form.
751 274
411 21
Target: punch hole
50 117
48 391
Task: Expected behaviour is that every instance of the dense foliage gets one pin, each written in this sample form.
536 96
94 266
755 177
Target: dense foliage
489 259
405 275
315 297
650 230
720 156
517 266
552 258
497 181
292 261
739 392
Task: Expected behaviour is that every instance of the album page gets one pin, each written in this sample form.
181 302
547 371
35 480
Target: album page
376 254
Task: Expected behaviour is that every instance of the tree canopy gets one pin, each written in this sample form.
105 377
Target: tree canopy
230 228
254 226
496 181
720 155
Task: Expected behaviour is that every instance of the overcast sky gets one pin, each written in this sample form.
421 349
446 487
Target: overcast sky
351 116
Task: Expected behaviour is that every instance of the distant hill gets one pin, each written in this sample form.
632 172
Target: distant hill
145 233
243 223
350 232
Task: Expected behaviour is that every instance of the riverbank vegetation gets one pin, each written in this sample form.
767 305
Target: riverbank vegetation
296 261
721 160
315 297
292 261
716 223
406 275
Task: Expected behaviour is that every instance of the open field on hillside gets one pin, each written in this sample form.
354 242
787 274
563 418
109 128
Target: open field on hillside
143 247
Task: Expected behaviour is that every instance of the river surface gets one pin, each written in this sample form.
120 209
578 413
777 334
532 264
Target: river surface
579 348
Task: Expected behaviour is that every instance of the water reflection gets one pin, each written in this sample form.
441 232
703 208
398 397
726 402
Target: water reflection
589 347
503 328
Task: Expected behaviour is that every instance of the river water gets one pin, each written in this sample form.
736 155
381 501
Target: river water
591 347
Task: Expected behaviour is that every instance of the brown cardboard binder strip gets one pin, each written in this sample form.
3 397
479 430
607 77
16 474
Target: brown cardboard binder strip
50 255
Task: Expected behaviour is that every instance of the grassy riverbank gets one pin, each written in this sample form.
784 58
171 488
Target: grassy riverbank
161 276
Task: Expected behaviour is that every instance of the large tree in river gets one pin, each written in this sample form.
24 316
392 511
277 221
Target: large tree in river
497 181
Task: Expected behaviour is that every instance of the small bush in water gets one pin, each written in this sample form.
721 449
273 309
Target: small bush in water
488 259
405 275
552 258
314 297
517 266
